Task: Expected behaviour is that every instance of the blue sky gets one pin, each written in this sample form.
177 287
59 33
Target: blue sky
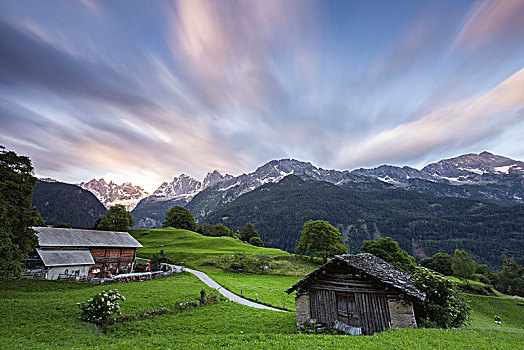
142 91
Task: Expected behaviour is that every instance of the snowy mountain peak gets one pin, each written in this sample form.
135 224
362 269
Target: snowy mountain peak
213 178
180 186
470 167
111 193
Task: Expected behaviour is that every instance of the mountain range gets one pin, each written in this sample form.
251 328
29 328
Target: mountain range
483 176
422 224
472 178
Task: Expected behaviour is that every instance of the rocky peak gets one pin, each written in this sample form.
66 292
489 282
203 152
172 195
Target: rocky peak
180 186
111 193
471 167
214 177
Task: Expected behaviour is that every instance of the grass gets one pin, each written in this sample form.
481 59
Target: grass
191 248
44 315
510 310
475 286
267 289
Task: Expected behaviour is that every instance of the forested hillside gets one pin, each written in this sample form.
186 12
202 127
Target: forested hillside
59 202
422 224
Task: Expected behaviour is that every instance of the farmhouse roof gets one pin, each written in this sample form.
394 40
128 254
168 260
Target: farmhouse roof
67 237
65 257
370 265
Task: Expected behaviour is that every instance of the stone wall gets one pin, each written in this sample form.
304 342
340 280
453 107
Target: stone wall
303 308
402 314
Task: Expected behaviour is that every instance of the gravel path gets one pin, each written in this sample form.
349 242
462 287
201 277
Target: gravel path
211 283
231 296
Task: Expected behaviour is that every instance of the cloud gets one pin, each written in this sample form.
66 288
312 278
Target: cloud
457 124
492 22
26 61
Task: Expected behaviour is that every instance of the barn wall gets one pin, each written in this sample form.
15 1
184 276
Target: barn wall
113 260
53 272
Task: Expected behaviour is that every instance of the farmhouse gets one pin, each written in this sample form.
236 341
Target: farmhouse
358 294
82 253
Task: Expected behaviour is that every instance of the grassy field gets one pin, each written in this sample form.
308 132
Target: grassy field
267 289
44 315
190 248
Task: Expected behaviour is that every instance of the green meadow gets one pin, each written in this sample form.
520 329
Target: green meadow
45 315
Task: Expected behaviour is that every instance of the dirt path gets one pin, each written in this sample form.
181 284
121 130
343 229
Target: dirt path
213 284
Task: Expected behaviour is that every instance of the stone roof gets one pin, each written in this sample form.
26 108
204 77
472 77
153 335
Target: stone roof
370 265
65 257
67 237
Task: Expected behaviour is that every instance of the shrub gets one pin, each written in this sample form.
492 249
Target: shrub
444 306
157 259
100 309
256 241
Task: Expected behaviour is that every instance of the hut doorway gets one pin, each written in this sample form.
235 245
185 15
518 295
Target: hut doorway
347 311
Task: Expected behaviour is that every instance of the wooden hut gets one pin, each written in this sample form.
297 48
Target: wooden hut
360 292
82 253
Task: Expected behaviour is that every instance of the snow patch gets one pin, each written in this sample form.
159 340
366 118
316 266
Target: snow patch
503 169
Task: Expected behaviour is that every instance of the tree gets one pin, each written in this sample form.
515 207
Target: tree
320 238
247 232
440 262
180 217
463 266
157 259
256 241
218 230
444 306
17 238
389 250
510 279
117 218
63 225
36 218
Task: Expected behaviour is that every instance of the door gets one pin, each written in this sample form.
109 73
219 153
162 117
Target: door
347 309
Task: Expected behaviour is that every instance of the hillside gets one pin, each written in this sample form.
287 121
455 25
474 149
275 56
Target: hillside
422 224
60 202
183 245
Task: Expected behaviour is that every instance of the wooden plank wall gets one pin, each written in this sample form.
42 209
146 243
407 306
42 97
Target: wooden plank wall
323 306
374 312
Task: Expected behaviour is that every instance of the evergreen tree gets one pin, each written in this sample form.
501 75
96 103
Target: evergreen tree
510 279
17 238
247 232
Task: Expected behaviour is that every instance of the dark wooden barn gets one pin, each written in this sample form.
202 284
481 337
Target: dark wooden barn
82 253
361 293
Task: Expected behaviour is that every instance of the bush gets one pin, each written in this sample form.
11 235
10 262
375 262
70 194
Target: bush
256 241
157 259
100 309
444 306
63 225
218 230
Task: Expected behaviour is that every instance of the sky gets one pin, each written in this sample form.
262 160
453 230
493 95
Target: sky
142 91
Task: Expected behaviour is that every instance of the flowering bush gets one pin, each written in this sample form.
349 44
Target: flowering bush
101 307
444 306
